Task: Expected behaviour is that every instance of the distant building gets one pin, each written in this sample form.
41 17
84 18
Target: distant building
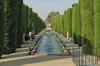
48 26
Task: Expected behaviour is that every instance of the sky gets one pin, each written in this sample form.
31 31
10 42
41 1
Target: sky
43 7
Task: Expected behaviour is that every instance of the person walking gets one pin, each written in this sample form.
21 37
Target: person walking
26 38
30 35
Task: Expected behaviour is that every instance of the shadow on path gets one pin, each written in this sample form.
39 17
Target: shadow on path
31 60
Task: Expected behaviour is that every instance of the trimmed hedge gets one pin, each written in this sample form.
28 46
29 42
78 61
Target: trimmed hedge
87 18
11 21
69 20
1 26
75 21
65 23
80 27
61 24
85 25
97 26
19 27
19 18
81 23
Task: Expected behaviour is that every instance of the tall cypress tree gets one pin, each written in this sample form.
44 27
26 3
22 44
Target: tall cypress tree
87 18
75 20
11 21
19 24
80 27
1 26
97 27
69 20
65 23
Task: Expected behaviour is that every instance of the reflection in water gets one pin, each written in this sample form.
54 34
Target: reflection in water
49 45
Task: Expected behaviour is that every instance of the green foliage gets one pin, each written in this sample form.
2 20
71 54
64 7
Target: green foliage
11 21
19 18
80 27
38 23
75 20
51 16
19 27
32 22
1 26
97 26
87 18
83 23
65 23
62 24
69 21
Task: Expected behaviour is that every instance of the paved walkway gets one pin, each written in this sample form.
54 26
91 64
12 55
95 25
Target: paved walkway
20 58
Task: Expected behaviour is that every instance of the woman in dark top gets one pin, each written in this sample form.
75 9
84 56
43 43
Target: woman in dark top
26 37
